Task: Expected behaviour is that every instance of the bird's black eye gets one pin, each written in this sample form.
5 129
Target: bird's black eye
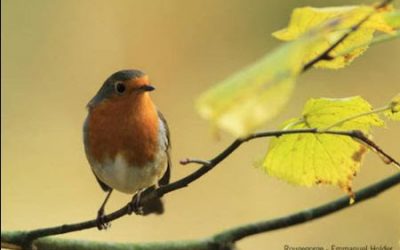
120 88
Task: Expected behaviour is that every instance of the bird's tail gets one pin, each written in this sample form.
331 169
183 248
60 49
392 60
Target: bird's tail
154 206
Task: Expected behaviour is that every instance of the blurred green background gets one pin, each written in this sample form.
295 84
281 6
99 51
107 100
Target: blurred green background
55 56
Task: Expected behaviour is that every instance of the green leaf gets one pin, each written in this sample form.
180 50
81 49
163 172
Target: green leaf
309 159
393 19
246 100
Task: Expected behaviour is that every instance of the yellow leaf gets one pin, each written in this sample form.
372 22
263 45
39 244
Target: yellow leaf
394 112
324 112
246 100
309 159
307 18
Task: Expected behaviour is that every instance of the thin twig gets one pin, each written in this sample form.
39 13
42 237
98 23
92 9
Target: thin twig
358 135
376 40
198 161
326 54
341 122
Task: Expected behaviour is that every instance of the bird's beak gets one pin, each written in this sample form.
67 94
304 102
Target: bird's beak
147 87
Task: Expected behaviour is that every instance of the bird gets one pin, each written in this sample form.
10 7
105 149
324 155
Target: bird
127 141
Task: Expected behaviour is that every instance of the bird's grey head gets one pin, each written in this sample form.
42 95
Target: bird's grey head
114 85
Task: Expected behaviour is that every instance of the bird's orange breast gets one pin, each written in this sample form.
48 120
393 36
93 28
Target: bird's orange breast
126 126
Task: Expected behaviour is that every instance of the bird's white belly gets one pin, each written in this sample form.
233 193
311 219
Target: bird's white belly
118 174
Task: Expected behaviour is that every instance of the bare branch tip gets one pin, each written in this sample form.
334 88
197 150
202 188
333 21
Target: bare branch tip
184 161
198 161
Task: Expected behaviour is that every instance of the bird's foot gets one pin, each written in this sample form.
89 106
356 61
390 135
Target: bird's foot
135 205
100 220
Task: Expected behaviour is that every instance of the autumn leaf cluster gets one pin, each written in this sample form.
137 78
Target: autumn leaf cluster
329 38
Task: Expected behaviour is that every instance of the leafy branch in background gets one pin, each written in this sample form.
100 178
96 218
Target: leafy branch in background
329 38
324 38
324 145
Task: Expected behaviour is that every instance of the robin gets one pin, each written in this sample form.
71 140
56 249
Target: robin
126 140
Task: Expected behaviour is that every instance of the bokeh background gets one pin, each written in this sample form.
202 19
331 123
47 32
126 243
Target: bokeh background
55 56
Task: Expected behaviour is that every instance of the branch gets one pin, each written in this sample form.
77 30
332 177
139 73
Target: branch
220 241
27 237
376 40
366 193
326 54
358 135
226 239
